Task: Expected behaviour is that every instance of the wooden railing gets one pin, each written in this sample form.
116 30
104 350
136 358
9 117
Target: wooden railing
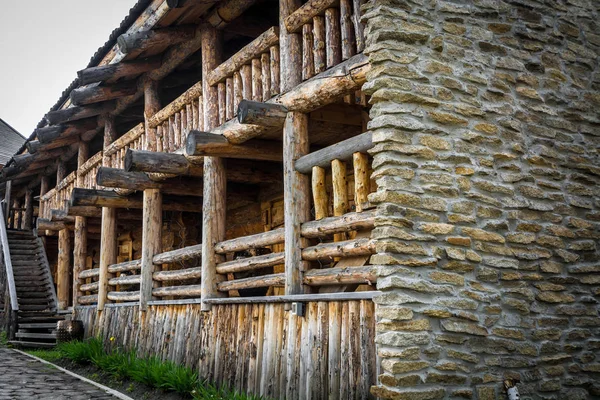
88 171
132 139
58 198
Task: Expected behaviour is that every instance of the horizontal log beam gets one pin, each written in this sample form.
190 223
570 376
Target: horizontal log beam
159 162
115 71
164 37
132 265
178 275
118 178
252 50
33 146
96 94
76 113
210 144
48 134
179 255
319 91
251 263
294 298
125 280
89 273
356 221
110 199
306 13
189 290
44 224
339 151
89 299
89 287
263 114
124 296
254 282
250 242
348 248
61 215
341 276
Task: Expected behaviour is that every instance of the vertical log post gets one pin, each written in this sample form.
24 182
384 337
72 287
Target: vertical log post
296 192
151 107
80 245
334 41
347 30
291 48
319 44
340 193
44 185
214 195
151 242
28 218
308 60
108 235
319 192
62 274
361 179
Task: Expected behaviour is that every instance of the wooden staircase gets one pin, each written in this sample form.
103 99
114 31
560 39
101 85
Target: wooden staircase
36 296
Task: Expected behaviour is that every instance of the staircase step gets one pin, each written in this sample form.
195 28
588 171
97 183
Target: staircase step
34 301
35 335
38 295
53 318
38 325
19 343
27 307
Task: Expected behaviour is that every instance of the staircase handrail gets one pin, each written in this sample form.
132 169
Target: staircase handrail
10 277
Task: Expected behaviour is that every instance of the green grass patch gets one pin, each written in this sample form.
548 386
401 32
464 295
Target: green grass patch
151 371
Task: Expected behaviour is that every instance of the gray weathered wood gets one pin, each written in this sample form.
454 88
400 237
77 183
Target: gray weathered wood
118 70
259 113
339 151
144 40
346 223
252 241
151 242
183 254
10 278
348 248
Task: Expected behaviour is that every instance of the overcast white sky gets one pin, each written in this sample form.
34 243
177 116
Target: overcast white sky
43 43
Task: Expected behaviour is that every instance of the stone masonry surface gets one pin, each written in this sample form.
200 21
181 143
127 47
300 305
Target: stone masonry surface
24 378
486 130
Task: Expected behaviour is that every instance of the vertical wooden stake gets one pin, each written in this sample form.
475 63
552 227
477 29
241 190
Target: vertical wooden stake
61 172
256 80
319 192
28 218
347 30
215 182
265 63
296 192
290 46
108 235
151 242
229 99
275 70
7 199
334 41
64 263
361 179
151 107
80 239
308 59
340 192
319 44
246 75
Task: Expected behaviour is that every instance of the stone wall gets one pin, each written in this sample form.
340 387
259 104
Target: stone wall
486 127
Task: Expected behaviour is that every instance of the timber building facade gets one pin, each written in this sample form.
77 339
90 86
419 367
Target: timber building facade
326 198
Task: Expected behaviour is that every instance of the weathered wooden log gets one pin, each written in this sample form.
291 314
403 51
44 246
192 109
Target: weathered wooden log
259 45
61 215
341 276
221 100
187 290
246 76
118 178
28 217
333 49
254 282
151 242
124 280
164 37
340 192
275 70
265 63
320 197
159 162
348 248
108 248
50 133
361 179
178 275
308 59
151 107
319 44
296 190
96 94
291 47
359 27
23 160
227 11
355 221
89 287
77 113
314 93
89 273
118 70
33 146
89 299
340 151
179 255
132 265
305 14
44 224
251 263
263 114
251 242
256 80
123 296
347 29
313 297
63 269
110 199
214 145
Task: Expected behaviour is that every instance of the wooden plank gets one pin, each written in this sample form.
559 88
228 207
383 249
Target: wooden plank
343 150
